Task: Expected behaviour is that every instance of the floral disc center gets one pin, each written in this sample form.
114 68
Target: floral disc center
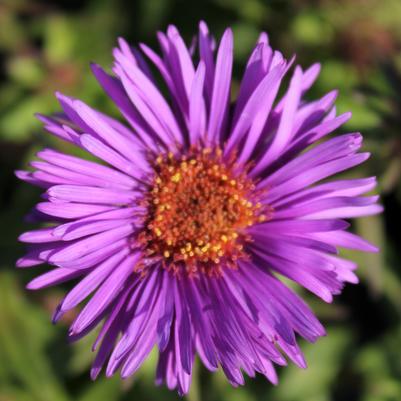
198 208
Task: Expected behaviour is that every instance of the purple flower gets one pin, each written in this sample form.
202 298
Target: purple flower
179 235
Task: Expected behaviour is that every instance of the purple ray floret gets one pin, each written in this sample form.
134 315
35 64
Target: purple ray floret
178 235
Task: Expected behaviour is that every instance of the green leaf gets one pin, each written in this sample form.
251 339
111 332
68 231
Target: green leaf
102 389
26 71
310 29
60 38
324 361
23 341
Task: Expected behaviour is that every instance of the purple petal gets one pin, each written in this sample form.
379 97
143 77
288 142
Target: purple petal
90 282
197 109
53 277
221 87
206 55
107 292
88 194
71 210
86 168
90 244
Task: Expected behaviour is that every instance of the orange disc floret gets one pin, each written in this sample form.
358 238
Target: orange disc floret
198 208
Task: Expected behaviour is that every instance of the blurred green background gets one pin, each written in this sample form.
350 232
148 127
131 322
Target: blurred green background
46 46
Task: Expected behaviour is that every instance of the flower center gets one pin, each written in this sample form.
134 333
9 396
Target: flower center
198 209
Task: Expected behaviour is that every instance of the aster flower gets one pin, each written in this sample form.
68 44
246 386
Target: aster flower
178 236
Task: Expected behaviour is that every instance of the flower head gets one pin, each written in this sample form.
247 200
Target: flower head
179 234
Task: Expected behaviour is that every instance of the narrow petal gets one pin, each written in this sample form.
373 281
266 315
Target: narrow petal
206 49
197 108
90 282
90 244
106 293
153 98
258 106
87 194
85 167
346 240
38 236
71 210
285 129
315 174
221 87
53 277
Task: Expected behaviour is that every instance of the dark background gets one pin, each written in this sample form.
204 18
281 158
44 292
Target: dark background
46 46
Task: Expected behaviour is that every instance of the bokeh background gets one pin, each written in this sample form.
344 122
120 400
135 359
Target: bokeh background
46 46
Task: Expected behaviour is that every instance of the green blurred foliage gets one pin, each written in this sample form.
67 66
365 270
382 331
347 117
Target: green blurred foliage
46 46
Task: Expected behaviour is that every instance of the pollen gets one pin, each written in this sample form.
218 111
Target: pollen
199 207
